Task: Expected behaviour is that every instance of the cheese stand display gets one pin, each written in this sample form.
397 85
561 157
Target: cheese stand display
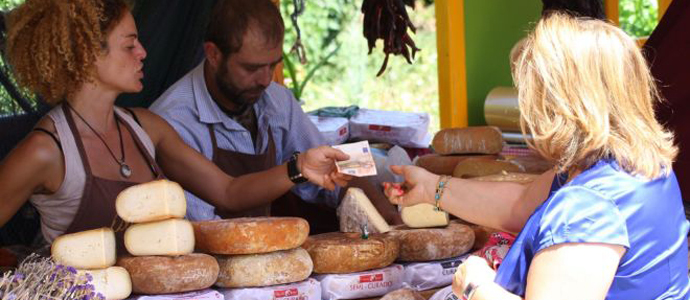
161 242
257 254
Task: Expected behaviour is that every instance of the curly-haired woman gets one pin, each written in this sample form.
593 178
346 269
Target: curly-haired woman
608 222
80 55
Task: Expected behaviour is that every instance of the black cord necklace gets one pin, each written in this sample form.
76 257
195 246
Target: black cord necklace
125 170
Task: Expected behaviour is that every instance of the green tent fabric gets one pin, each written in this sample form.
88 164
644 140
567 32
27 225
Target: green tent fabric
172 31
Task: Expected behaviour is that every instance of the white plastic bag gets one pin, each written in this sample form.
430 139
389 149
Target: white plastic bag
334 130
309 289
207 294
371 283
422 276
394 127
444 294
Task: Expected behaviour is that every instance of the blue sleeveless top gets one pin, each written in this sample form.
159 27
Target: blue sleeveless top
605 204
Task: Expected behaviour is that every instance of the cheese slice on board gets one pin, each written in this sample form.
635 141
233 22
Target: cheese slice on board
169 237
423 215
151 201
113 283
91 249
356 209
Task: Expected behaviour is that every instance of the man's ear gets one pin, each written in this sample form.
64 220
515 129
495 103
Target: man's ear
213 54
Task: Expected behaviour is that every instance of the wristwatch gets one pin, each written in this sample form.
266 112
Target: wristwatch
293 172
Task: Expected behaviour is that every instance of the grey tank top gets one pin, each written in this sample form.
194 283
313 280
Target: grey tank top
58 210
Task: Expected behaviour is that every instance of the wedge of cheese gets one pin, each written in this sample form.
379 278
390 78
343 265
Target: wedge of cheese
91 249
168 237
113 283
423 215
151 201
356 209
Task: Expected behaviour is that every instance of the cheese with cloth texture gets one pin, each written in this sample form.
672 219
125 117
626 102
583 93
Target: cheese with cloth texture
250 235
356 209
337 252
423 215
151 201
479 139
169 237
167 275
91 249
253 270
113 283
425 244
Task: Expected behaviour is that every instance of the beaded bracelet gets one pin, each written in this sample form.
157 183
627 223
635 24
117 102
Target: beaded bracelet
440 187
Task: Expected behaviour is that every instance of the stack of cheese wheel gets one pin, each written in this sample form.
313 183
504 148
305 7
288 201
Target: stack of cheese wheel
454 145
93 252
255 252
347 251
161 241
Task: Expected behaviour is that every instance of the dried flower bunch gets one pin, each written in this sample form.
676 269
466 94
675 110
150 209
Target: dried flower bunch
39 278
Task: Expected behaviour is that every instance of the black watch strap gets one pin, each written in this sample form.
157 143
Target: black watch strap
293 172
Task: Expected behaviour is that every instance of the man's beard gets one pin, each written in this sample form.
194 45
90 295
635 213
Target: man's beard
235 95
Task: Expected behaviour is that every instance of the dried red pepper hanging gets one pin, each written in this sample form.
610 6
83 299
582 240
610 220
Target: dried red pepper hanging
388 20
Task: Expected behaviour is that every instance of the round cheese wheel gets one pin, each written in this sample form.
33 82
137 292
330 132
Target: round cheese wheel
252 270
427 244
403 294
475 167
337 252
445 164
167 275
480 139
250 235
521 178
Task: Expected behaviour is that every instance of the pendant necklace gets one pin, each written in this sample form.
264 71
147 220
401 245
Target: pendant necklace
125 170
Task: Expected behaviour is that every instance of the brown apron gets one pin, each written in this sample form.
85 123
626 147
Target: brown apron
97 206
320 217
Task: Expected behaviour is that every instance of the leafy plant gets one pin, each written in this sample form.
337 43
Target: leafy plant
298 85
638 17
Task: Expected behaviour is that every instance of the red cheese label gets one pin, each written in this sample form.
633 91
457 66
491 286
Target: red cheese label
342 131
371 278
285 293
379 127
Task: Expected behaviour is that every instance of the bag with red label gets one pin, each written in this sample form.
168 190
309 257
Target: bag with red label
334 130
309 289
371 283
207 294
422 276
393 127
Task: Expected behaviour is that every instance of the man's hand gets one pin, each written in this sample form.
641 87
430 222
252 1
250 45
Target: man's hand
318 165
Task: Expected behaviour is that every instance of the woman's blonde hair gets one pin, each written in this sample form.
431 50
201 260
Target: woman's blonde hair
586 93
52 45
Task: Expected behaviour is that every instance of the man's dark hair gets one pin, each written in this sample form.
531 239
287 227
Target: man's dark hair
580 8
230 20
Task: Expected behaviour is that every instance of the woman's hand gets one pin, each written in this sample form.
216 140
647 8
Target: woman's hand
475 270
318 165
419 186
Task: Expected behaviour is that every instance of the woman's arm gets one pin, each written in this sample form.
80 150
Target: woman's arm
501 205
565 271
200 176
35 166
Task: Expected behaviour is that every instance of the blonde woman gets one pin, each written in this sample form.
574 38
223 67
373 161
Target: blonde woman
608 222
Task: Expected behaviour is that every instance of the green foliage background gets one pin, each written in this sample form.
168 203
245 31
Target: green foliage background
349 75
